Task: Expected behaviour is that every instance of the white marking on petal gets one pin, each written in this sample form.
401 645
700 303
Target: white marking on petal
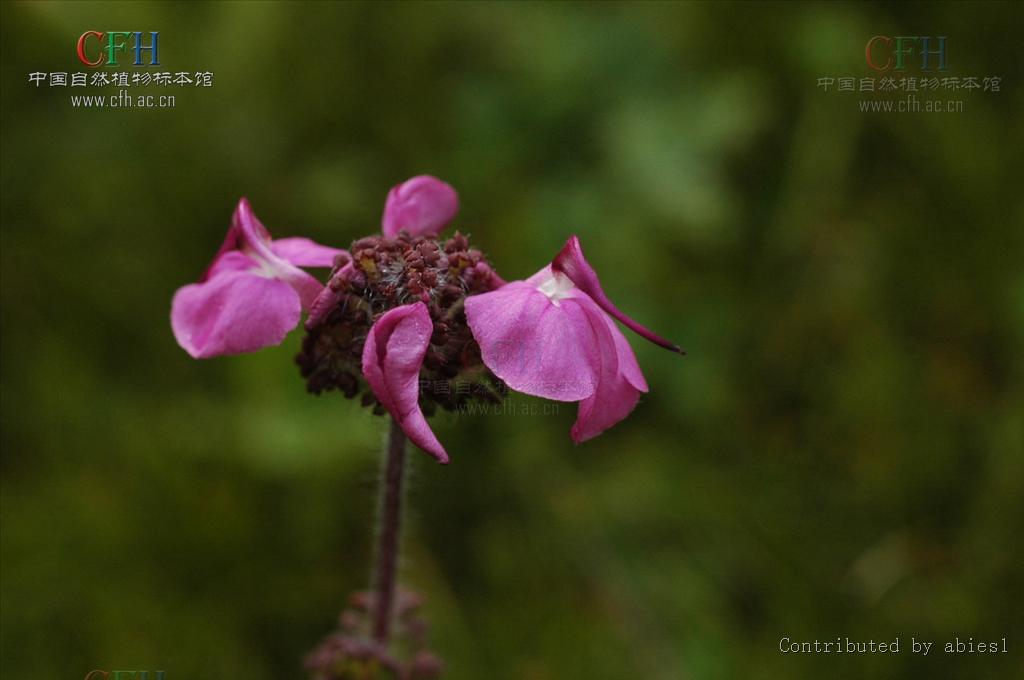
266 268
556 287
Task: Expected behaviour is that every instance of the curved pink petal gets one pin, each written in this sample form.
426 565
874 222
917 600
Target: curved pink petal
535 345
248 235
617 391
421 206
614 400
392 357
570 261
304 252
629 367
233 312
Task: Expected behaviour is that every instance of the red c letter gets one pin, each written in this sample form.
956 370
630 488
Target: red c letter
867 53
81 49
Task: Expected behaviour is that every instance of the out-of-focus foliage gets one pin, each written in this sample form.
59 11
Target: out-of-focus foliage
840 453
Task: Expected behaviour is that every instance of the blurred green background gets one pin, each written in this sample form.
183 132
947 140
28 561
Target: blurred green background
840 453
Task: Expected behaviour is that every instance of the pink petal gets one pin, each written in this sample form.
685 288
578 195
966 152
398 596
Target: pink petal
628 364
570 261
392 357
231 261
421 206
233 312
248 235
629 367
613 401
303 252
618 390
534 345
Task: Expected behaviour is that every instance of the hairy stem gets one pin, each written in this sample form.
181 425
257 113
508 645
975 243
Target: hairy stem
390 519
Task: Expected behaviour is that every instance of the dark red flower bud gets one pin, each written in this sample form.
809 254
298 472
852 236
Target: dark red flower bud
385 273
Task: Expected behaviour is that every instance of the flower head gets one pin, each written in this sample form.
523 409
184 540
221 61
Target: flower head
253 292
413 322
391 324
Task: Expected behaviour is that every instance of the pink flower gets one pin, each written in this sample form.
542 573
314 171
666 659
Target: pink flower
553 336
253 292
392 357
421 206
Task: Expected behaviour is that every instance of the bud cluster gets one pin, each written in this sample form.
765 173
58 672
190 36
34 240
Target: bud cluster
385 273
350 654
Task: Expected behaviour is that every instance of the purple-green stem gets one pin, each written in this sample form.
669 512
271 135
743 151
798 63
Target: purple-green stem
390 525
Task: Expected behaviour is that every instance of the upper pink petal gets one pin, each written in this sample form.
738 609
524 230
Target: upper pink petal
570 261
231 261
620 382
392 357
421 206
248 235
534 345
232 312
304 252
